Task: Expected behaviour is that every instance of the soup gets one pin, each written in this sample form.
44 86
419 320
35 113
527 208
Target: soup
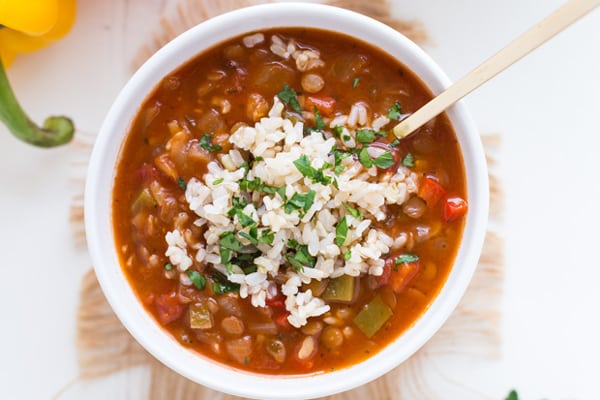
265 215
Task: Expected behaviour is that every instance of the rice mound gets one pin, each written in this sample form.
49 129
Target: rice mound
276 143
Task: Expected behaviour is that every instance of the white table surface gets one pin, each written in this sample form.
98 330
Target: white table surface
546 107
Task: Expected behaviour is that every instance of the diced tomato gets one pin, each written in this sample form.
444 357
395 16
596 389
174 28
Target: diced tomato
324 104
454 208
402 274
147 173
282 320
276 301
431 191
168 308
384 278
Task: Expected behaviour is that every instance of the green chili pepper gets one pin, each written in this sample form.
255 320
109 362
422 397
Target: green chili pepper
55 131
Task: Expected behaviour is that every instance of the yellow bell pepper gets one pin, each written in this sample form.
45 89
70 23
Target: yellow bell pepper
25 26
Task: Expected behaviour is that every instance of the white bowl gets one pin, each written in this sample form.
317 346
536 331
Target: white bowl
101 175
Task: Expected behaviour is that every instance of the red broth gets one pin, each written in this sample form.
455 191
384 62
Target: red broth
186 122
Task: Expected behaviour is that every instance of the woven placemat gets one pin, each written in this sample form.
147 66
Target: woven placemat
105 347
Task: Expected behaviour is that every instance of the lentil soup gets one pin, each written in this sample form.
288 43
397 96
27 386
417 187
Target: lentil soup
266 216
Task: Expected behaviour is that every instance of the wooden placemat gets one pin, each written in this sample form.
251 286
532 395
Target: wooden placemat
105 347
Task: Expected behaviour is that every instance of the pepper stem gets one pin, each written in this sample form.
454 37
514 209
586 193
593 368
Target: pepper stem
55 131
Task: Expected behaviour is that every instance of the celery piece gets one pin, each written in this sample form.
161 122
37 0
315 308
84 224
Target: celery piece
200 317
144 200
340 289
373 316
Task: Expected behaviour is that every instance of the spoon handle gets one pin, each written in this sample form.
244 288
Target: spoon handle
527 42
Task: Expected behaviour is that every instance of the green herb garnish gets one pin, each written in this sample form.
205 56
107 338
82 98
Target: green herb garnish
168 266
301 258
266 237
181 183
348 255
319 123
365 136
353 211
249 237
290 97
406 258
355 82
307 170
365 158
292 243
197 280
408 160
300 202
395 112
238 204
218 181
346 138
222 285
257 185
341 231
227 240
394 143
245 220
385 160
337 130
207 144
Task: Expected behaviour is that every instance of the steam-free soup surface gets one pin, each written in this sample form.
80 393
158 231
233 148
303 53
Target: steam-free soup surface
267 218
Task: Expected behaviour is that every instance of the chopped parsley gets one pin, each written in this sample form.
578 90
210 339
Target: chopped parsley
259 158
228 240
348 255
347 138
406 258
252 239
394 143
365 158
365 136
222 285
290 97
197 280
181 183
238 204
341 232
300 202
383 161
307 170
168 266
244 220
207 144
408 160
292 243
338 156
218 181
301 258
319 123
258 186
266 236
228 243
353 211
395 112
355 82
337 130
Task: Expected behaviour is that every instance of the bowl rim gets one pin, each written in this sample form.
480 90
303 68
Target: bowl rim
98 194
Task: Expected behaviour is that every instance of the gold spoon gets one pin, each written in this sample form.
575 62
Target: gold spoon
523 45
